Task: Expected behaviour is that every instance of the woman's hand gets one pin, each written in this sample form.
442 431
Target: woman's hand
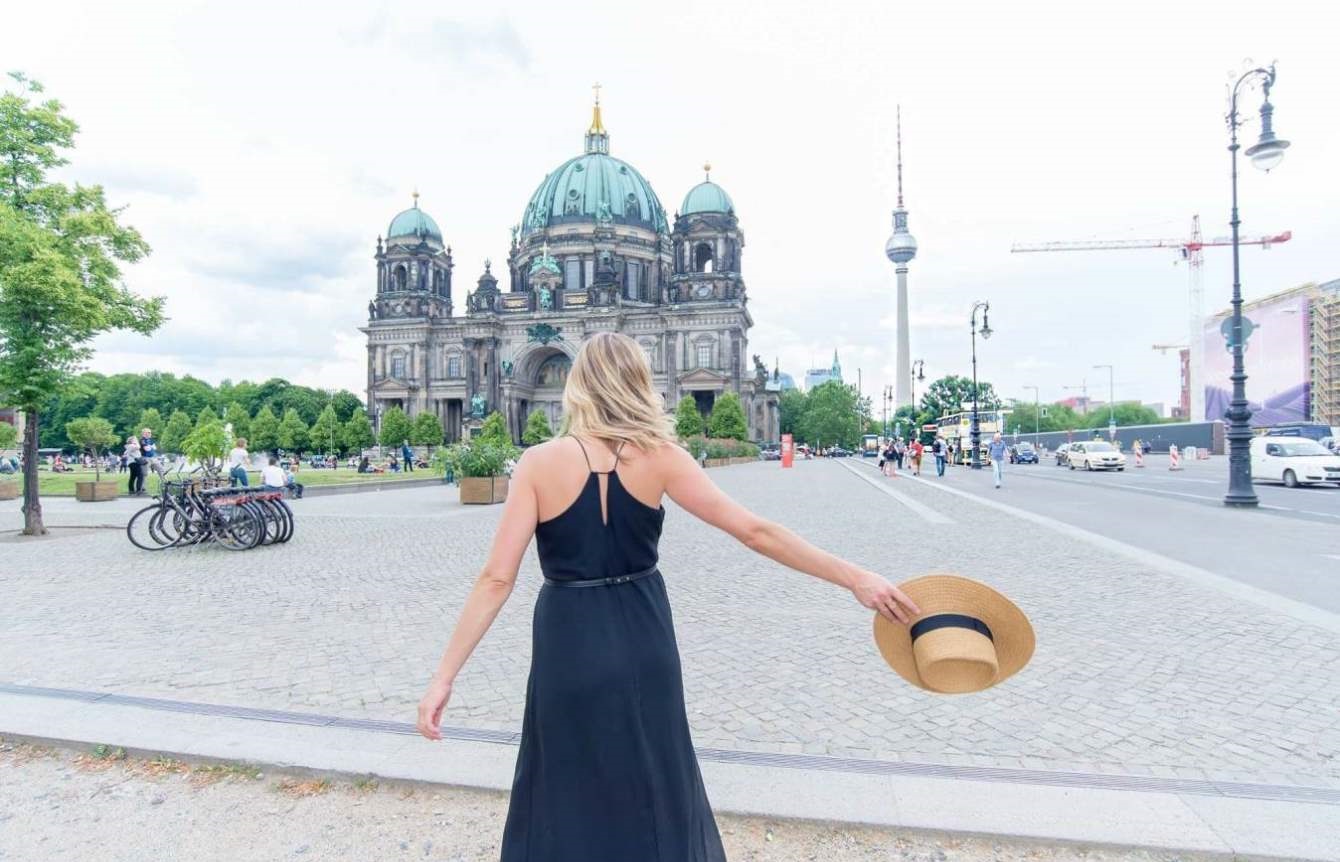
878 594
430 709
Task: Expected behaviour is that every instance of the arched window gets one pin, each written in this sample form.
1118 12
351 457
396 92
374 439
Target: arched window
632 288
702 257
553 371
398 366
453 366
704 354
401 277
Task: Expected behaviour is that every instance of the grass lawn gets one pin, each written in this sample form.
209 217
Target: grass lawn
62 484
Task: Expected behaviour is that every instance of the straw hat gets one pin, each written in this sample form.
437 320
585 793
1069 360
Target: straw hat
968 637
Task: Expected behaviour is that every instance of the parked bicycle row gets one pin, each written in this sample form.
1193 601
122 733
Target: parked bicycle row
196 512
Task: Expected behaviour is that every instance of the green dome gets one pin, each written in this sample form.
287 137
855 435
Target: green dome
413 222
594 187
707 197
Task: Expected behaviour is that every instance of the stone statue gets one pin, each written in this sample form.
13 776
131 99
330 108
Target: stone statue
507 368
760 370
603 214
372 310
546 298
477 405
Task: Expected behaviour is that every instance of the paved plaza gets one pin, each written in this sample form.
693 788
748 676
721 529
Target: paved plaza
1138 671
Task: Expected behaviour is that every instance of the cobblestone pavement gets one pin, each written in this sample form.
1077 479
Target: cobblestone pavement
54 805
1136 672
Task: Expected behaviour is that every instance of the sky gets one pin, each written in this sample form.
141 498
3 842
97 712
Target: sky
262 148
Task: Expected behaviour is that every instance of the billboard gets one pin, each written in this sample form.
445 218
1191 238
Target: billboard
1277 360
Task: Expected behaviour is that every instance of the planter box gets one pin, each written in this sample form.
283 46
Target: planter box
10 490
483 490
96 492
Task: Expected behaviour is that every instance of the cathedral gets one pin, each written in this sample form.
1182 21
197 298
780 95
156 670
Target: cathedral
594 252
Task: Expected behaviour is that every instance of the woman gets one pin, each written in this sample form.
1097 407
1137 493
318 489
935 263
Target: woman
888 459
132 455
606 769
237 464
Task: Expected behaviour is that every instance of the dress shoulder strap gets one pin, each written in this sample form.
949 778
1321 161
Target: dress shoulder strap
584 455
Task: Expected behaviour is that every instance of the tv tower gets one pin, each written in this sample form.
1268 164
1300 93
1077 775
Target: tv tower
901 248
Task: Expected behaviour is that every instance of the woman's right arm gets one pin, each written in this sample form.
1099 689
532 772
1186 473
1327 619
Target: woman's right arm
689 486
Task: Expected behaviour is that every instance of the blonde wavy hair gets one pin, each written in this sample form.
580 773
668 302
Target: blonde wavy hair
610 396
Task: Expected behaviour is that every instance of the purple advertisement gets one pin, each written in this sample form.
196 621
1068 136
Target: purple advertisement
1277 361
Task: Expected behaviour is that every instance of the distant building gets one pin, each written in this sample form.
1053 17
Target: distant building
1292 357
819 376
786 381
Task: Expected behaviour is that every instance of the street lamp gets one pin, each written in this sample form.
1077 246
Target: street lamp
1266 153
976 431
1111 404
1037 416
918 373
888 399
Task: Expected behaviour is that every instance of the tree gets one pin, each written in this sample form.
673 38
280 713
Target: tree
91 434
792 410
538 429
292 432
830 415
326 432
9 435
1125 412
264 430
688 421
953 394
61 251
727 420
358 433
345 403
237 416
207 443
174 432
396 428
494 430
151 419
426 430
206 415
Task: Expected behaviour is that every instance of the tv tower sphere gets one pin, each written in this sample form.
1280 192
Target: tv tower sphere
902 246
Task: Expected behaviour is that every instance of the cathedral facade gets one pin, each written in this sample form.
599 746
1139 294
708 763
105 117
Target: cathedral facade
594 252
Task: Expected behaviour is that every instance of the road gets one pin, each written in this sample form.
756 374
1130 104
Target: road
1289 546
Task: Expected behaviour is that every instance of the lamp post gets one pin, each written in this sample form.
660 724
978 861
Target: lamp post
888 399
1266 153
975 437
1037 415
918 373
1111 404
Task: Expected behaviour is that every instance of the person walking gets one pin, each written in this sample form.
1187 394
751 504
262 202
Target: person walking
917 451
938 449
605 768
996 452
407 455
132 454
899 452
238 459
890 458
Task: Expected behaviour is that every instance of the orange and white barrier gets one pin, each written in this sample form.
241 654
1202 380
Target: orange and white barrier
1174 457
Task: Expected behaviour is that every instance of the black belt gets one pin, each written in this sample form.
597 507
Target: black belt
601 582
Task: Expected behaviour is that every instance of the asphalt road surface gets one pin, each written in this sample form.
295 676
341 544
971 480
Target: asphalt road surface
1289 545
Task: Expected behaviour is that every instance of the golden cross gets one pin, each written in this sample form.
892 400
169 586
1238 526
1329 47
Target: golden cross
596 88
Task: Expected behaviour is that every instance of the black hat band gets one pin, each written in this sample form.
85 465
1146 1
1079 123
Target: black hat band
947 621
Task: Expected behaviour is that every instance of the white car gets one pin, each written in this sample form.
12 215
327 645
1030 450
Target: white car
1095 455
1293 460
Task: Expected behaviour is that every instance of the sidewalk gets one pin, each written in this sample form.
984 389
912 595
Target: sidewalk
1228 821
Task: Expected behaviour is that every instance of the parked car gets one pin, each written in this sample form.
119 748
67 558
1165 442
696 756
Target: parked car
1310 430
1062 454
1293 460
1023 453
839 452
1095 455
1332 443
771 453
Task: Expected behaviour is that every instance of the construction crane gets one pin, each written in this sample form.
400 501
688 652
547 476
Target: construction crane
1192 251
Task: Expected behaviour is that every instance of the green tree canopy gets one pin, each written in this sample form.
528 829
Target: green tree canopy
426 430
396 428
727 421
205 416
207 443
345 403
538 429
831 415
494 430
9 435
688 421
1125 412
357 432
236 415
326 434
174 432
292 432
150 418
792 412
92 434
953 394
264 430
61 250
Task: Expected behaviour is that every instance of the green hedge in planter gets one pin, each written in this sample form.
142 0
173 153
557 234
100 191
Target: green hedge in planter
719 448
477 459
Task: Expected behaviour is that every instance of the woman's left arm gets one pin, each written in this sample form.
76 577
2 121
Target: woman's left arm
490 592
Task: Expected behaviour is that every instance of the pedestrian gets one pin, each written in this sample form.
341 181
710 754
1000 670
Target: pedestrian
917 451
996 452
238 459
899 452
890 456
131 452
939 448
881 459
407 454
363 465
605 707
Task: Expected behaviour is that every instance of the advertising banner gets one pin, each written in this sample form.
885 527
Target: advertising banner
788 450
1277 361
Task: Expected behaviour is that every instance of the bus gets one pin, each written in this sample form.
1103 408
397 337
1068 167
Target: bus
957 429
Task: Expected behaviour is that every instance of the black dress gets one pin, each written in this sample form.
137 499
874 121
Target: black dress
606 770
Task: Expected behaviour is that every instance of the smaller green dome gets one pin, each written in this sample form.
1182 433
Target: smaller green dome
413 222
707 197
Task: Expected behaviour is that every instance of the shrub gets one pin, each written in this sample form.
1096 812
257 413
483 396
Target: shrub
537 429
727 419
476 459
719 448
91 433
688 421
